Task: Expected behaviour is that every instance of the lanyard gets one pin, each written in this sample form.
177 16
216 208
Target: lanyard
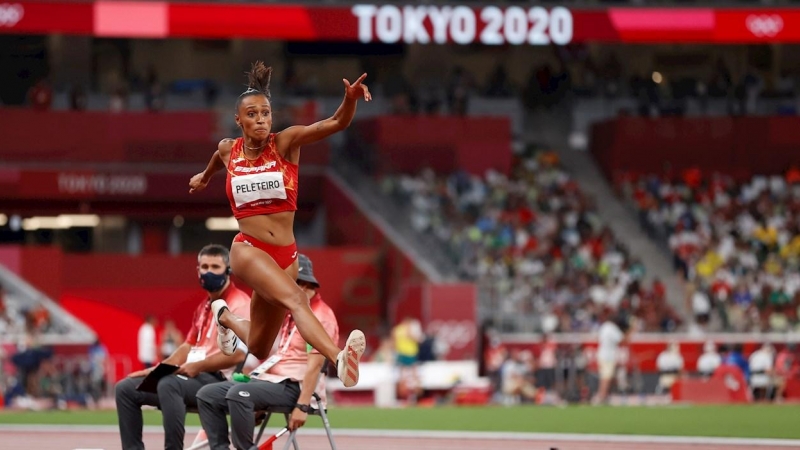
202 326
285 341
272 360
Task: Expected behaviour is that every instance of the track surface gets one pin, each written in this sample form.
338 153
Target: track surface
49 437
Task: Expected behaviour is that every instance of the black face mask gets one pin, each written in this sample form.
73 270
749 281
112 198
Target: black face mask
212 282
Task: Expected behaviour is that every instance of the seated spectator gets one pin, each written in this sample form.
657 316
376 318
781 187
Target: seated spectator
761 368
735 358
670 367
709 360
517 380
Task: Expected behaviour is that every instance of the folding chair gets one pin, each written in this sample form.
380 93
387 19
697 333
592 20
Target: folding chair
201 440
320 411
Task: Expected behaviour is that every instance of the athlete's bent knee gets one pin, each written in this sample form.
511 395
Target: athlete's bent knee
295 300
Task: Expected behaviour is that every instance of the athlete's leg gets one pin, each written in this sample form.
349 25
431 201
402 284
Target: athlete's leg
257 268
266 319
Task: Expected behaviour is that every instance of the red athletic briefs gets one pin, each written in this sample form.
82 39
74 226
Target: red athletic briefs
284 256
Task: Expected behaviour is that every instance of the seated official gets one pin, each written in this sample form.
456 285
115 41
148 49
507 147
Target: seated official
289 377
199 357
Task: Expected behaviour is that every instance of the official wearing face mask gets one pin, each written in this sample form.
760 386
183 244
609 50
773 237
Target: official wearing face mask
200 360
211 279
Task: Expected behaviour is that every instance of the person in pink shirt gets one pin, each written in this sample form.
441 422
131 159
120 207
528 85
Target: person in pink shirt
289 377
199 357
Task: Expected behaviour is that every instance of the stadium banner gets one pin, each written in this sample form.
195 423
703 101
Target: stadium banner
126 186
402 23
449 312
101 185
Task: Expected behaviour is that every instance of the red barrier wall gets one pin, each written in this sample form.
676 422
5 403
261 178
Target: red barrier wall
407 144
102 136
739 146
99 136
42 267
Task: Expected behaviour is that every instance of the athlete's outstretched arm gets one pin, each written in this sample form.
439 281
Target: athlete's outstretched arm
300 135
215 164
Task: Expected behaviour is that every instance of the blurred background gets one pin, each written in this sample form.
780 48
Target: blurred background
527 171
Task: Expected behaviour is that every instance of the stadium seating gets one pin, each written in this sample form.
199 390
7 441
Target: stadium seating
533 241
736 244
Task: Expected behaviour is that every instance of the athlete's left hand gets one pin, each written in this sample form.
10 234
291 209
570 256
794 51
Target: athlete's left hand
357 89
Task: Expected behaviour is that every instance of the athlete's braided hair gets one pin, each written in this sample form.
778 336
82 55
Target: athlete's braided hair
257 82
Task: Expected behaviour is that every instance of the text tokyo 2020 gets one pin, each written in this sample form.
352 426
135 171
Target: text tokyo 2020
490 25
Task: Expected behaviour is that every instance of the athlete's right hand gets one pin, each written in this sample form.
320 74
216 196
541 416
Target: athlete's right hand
197 183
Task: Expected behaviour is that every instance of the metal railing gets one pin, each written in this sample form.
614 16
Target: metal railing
66 329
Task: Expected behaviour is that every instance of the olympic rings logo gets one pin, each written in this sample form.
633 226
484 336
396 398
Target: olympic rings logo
763 25
456 333
10 14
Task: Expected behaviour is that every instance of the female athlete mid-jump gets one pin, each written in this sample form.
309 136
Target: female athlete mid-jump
262 186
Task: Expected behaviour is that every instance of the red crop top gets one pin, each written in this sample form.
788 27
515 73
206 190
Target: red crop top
267 185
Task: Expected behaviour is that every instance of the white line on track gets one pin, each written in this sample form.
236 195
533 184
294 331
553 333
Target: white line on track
491 435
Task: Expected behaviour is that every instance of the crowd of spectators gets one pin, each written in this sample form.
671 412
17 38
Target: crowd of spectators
736 244
535 245
31 376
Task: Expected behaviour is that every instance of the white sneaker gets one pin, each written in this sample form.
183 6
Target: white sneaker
347 361
226 338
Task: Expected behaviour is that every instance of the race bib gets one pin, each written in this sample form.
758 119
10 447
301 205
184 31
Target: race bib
258 186
196 354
